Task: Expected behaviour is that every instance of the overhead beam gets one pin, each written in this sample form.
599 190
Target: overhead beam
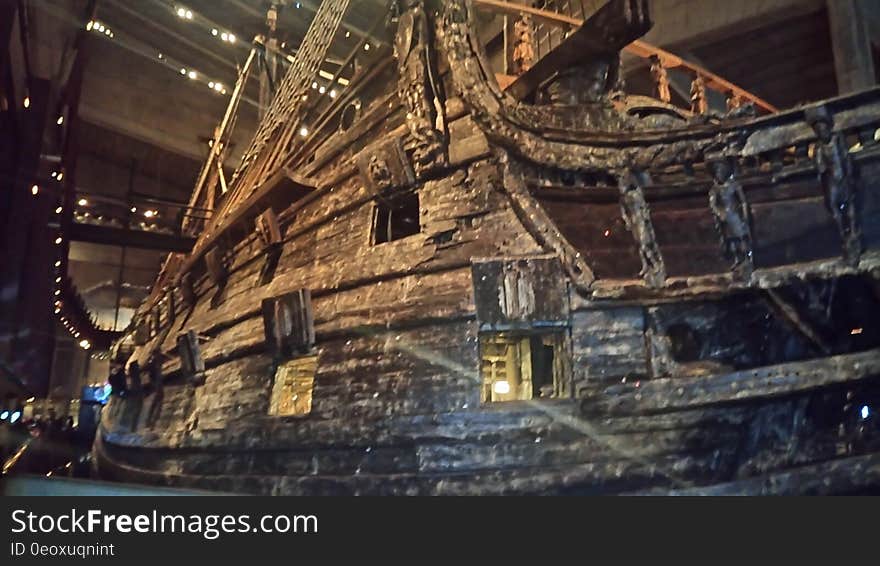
110 236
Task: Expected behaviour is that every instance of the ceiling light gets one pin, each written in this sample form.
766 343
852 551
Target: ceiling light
58 240
192 75
35 190
27 101
304 131
60 120
214 32
82 202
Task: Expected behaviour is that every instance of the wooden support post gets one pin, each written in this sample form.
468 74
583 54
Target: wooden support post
851 43
790 312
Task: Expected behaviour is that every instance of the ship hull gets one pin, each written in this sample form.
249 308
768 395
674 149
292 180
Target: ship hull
471 295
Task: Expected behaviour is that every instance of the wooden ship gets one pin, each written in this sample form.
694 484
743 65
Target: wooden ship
450 280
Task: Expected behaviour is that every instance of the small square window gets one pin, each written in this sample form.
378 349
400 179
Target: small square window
395 218
521 367
292 390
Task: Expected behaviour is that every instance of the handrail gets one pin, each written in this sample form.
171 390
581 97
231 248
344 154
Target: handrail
638 48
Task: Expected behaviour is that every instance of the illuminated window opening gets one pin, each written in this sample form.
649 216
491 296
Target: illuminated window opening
516 367
292 390
396 218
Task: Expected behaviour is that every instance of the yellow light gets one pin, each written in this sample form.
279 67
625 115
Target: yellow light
231 38
192 74
501 387
856 331
35 190
57 280
134 209
304 131
84 344
90 25
189 15
60 120
58 263
82 202
181 12
366 46
332 94
30 400
60 176
151 213
58 240
59 210
27 101
57 292
214 32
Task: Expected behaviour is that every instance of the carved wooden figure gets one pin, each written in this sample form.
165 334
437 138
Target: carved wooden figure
661 79
835 169
699 102
729 206
417 88
637 217
523 45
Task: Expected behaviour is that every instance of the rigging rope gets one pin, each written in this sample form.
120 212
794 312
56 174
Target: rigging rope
285 111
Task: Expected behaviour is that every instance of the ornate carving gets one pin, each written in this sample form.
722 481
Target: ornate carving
835 168
268 228
385 167
661 79
523 44
637 217
699 102
417 88
575 138
732 216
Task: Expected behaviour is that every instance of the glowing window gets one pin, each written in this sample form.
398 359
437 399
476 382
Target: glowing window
292 390
520 367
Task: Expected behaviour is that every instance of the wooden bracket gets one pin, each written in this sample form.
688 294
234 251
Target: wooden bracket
269 228
217 271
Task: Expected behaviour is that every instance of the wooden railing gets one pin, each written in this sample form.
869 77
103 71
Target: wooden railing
558 18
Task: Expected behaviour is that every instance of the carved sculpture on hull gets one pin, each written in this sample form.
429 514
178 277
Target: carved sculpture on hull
637 217
417 88
836 173
729 206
